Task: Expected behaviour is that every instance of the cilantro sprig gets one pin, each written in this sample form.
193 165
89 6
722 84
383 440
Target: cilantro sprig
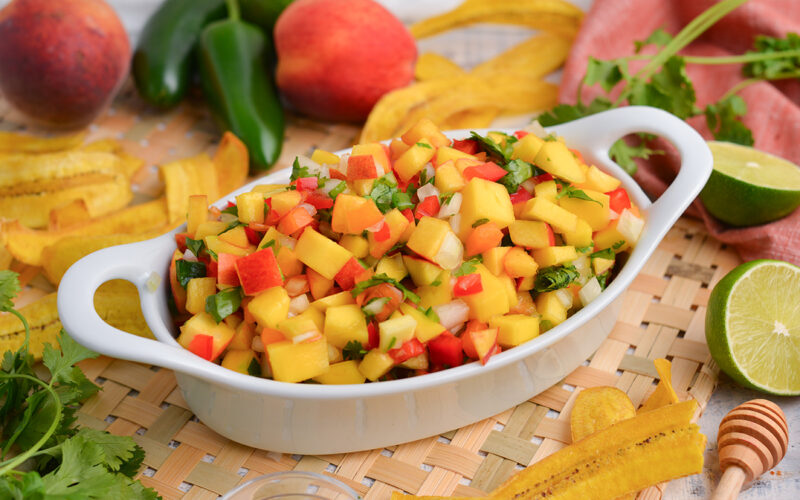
383 278
37 420
663 83
554 278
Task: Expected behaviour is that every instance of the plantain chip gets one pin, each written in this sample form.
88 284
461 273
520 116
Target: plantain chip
597 408
42 318
231 162
521 95
533 58
431 66
117 303
5 258
478 117
546 15
186 177
23 173
27 245
14 142
664 394
59 256
73 213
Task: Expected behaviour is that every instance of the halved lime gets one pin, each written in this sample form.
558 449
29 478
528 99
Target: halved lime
749 187
753 326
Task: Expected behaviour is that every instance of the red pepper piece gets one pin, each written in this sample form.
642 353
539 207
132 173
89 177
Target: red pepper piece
361 167
383 233
230 204
346 277
467 285
445 350
521 196
409 214
180 240
429 206
519 134
542 178
408 350
577 154
489 171
618 200
469 146
252 236
373 336
226 269
202 345
320 201
258 271
306 183
551 238
212 268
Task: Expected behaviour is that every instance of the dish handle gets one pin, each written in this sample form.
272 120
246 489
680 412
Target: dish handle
597 133
135 263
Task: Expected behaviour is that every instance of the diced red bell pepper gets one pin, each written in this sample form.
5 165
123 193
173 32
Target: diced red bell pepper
468 284
445 349
230 204
521 196
618 200
337 174
408 350
258 271
542 178
489 171
519 134
296 219
403 186
226 269
272 216
306 183
361 167
373 336
551 238
409 214
469 146
383 233
346 277
202 345
429 206
252 236
180 240
320 201
211 268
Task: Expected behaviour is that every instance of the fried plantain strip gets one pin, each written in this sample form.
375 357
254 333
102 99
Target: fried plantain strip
186 177
664 393
73 213
596 408
16 142
42 318
533 58
26 170
231 162
431 66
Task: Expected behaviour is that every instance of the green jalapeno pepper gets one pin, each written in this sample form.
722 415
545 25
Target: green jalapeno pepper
163 59
238 88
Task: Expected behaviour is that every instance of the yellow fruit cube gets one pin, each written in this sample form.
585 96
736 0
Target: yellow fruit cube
434 295
324 157
581 236
527 148
344 372
540 209
610 237
356 244
397 147
337 299
448 179
598 180
203 324
547 190
309 321
197 213
292 362
483 199
553 256
288 262
551 308
427 238
599 265
235 236
242 361
422 272
375 364
243 338
491 301
209 228
395 331
494 257
197 291
425 129
251 207
397 224
515 329
518 264
214 244
344 324
378 154
272 235
510 289
321 254
555 158
526 284
530 234
284 201
392 266
414 159
426 328
446 154
596 212
270 306
270 190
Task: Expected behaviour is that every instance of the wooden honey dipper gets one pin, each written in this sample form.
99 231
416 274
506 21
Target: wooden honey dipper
752 439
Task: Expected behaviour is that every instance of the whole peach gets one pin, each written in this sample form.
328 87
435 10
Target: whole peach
61 61
336 58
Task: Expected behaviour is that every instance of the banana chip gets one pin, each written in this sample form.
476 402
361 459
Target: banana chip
12 142
27 245
431 66
186 177
73 213
597 408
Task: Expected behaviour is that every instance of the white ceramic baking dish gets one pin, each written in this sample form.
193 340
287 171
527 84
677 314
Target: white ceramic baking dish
317 419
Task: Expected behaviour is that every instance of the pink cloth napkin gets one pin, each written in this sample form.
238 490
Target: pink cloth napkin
773 110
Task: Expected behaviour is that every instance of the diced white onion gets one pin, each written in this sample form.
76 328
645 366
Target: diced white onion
453 313
311 209
330 185
305 336
227 218
313 167
286 241
455 223
452 206
375 306
589 291
256 344
299 304
584 267
536 128
334 354
426 191
451 253
564 296
429 170
343 163
189 255
529 185
612 215
630 226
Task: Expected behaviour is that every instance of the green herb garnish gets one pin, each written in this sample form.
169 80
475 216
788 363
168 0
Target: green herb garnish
224 303
353 350
469 266
185 270
196 246
383 278
554 278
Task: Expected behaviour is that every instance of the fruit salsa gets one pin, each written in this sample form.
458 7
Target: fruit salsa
401 259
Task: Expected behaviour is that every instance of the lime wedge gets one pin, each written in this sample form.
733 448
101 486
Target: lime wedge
753 326
749 187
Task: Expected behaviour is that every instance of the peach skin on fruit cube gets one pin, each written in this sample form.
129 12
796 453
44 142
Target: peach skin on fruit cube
321 254
414 159
378 152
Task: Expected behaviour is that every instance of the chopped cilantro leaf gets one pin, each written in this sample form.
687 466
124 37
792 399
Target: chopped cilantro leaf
196 246
338 189
233 210
554 278
518 172
423 145
224 303
585 249
383 278
603 280
492 148
445 198
430 313
298 171
353 350
480 222
401 200
391 343
423 177
607 253
270 243
572 192
232 225
185 270
618 245
469 266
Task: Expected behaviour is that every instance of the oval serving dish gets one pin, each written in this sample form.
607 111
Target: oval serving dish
318 419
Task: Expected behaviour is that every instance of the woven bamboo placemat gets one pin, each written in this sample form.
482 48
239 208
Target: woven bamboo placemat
662 316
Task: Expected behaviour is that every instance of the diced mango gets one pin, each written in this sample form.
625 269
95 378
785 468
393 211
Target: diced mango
397 147
581 236
242 361
426 328
598 180
209 228
448 179
518 264
235 236
553 256
493 300
284 201
515 329
395 331
344 372
547 190
309 321
321 254
337 299
270 190
422 272
551 308
378 153
494 257
197 291
214 244
483 199
599 266
292 362
270 306
356 244
610 237
243 338
427 238
554 157
392 266
541 209
251 207
596 212
446 154
414 159
324 157
434 295
375 364
530 234
527 148
352 214
397 224
203 324
344 324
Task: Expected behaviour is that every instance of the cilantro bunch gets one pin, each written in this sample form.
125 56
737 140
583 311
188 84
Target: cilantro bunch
663 83
44 456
